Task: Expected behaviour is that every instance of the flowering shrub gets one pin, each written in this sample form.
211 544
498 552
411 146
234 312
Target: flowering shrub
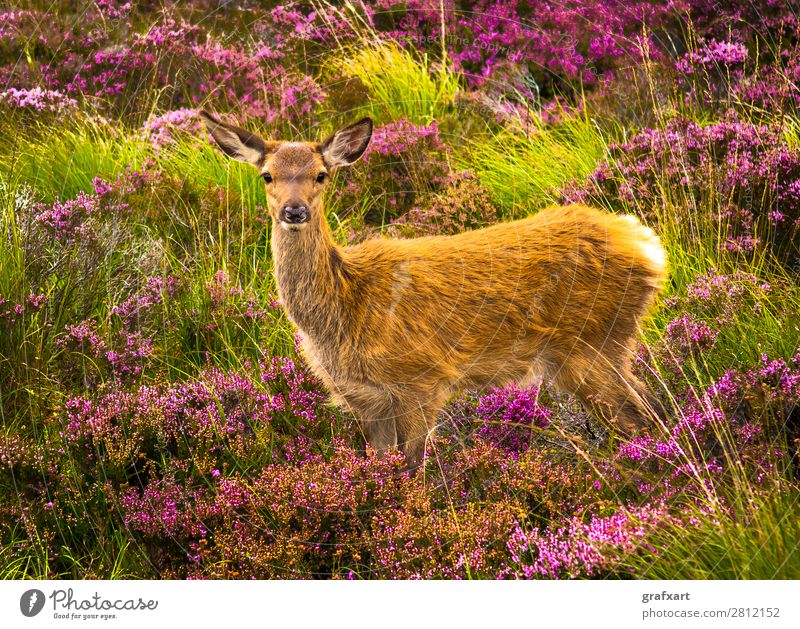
765 18
506 417
566 41
463 204
580 549
755 408
125 355
78 218
11 312
402 160
700 324
723 296
227 299
746 173
176 52
37 99
167 458
725 74
70 220
134 309
766 396
687 337
569 40
161 130
29 29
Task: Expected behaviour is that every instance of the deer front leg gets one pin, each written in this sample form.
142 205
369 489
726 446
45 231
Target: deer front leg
374 411
416 419
388 419
379 432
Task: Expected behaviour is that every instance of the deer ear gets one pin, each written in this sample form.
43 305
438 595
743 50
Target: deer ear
346 145
236 142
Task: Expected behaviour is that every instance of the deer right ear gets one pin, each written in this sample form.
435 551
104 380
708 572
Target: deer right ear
346 145
236 142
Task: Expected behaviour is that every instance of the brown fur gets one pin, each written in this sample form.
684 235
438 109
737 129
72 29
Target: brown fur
395 327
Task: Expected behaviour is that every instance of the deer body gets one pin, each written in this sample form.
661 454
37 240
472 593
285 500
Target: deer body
394 327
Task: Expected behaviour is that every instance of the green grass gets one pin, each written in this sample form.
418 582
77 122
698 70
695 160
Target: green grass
400 84
754 538
59 160
525 171
768 323
202 166
207 215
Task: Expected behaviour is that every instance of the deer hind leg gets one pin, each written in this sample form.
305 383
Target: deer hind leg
654 408
607 388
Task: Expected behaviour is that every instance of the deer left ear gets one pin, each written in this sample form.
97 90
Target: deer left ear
346 145
238 143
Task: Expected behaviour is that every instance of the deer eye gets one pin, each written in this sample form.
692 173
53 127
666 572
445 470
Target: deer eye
267 177
321 177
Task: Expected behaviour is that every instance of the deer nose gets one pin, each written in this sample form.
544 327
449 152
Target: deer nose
294 214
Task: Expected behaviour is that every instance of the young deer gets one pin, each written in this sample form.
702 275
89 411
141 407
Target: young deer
394 327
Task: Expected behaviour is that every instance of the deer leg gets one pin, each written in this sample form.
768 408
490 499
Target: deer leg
654 408
614 402
379 433
388 420
608 390
416 419
374 411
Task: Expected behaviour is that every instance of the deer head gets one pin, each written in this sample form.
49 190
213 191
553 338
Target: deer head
295 173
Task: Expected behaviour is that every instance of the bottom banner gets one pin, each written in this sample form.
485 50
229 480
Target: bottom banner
399 603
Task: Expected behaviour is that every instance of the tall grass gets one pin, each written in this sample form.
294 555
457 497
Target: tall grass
752 539
400 84
526 171
208 215
60 159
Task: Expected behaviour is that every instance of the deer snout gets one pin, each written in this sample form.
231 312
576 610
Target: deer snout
294 214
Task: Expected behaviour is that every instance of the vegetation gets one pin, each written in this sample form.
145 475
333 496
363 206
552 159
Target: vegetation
156 420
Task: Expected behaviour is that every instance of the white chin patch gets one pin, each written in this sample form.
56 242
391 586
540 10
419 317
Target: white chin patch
293 227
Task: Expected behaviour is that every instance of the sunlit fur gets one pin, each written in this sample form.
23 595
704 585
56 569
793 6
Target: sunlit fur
395 327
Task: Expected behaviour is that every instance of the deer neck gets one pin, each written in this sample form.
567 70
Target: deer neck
308 274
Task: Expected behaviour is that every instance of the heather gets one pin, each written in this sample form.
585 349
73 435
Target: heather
158 419
744 175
